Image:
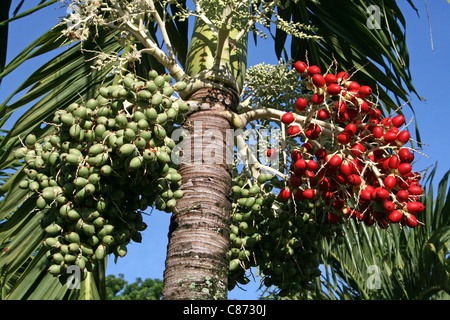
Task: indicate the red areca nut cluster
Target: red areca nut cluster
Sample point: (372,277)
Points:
(367,174)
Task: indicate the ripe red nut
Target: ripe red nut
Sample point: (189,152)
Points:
(335,160)
(405,155)
(296,155)
(389,206)
(323,114)
(415,190)
(344,138)
(350,129)
(354,179)
(330,78)
(294,131)
(364,91)
(403,136)
(288,118)
(404,169)
(346,168)
(307,146)
(301,104)
(317,99)
(410,220)
(333,89)
(285,194)
(313,70)
(402,196)
(380,193)
(395,216)
(386,122)
(377,132)
(390,182)
(312,165)
(271,152)
(415,207)
(342,76)
(358,149)
(398,121)
(309,194)
(389,137)
(300,66)
(353,86)
(375,113)
(393,162)
(364,107)
(333,218)
(320,153)
(296,181)
(318,80)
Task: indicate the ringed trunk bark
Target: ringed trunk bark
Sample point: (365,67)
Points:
(197,254)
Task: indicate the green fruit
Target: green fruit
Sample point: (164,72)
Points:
(183,107)
(100,252)
(121,250)
(108,240)
(106,170)
(156,99)
(180,86)
(126,150)
(54,269)
(136,163)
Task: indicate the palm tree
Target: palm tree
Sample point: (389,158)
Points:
(211,60)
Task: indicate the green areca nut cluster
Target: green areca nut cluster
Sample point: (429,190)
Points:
(106,162)
(279,238)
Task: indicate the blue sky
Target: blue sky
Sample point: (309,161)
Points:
(429,66)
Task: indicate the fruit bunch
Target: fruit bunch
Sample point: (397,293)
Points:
(105,162)
(280,238)
(350,155)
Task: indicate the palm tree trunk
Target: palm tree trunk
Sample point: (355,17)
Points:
(197,254)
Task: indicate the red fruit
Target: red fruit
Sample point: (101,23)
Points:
(294,131)
(333,218)
(350,129)
(389,206)
(301,104)
(380,193)
(354,179)
(358,149)
(353,86)
(296,181)
(377,132)
(342,76)
(313,70)
(394,130)
(366,195)
(395,216)
(405,155)
(341,107)
(389,137)
(415,190)
(330,78)
(364,91)
(393,162)
(312,165)
(398,121)
(271,153)
(335,160)
(343,117)
(288,118)
(285,194)
(318,80)
(404,169)
(300,164)
(344,138)
(300,66)
(296,155)
(309,194)
(307,146)
(403,136)
(375,114)
(333,89)
(410,220)
(390,182)
(323,114)
(321,153)
(363,107)
(317,99)
(402,196)
(346,168)
(386,122)
(298,194)
(415,207)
